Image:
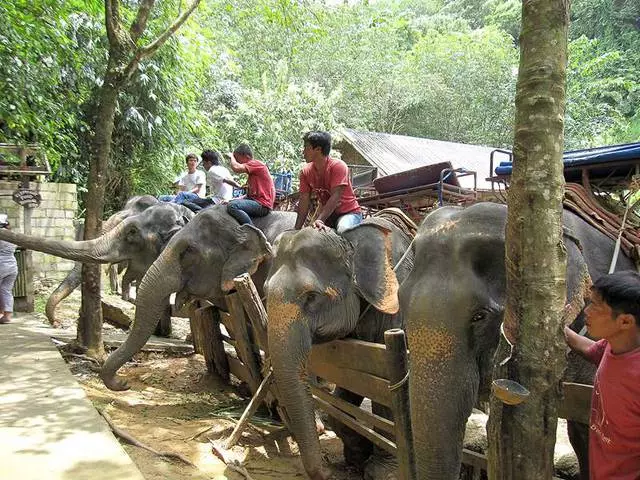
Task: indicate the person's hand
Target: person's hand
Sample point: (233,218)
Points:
(320,225)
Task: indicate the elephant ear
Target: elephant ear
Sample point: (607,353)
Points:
(245,255)
(372,263)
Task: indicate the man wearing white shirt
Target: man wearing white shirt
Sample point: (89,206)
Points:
(191,185)
(219,181)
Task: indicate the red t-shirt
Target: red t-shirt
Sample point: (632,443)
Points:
(335,174)
(261,187)
(614,436)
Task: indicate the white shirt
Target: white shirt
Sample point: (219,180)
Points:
(190,180)
(218,189)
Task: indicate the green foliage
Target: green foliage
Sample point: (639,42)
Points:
(266,71)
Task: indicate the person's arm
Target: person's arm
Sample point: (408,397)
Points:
(577,342)
(303,209)
(332,203)
(232,182)
(197,188)
(237,167)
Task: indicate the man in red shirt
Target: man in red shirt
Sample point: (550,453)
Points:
(614,316)
(329,179)
(261,192)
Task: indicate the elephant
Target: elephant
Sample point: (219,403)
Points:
(137,239)
(200,261)
(319,288)
(134,206)
(453,302)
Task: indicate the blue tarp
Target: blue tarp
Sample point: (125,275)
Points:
(576,158)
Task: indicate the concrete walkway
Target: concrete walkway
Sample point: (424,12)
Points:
(48,427)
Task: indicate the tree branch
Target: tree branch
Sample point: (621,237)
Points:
(112,20)
(150,49)
(140,23)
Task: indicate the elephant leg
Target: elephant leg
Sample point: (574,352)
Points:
(163,329)
(127,278)
(381,465)
(579,439)
(113,278)
(356,448)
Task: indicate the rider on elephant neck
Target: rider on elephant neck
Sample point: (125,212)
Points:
(329,179)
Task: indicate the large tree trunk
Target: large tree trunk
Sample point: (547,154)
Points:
(90,321)
(124,57)
(522,438)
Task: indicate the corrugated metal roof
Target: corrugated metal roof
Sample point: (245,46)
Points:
(399,153)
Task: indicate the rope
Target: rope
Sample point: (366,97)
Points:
(396,386)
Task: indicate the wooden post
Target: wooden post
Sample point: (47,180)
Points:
(398,371)
(254,308)
(255,402)
(246,347)
(207,340)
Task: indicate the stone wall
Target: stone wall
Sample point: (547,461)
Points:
(54,218)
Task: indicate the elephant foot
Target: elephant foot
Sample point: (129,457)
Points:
(381,468)
(115,383)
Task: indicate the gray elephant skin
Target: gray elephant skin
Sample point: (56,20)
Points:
(134,206)
(200,261)
(318,287)
(453,302)
(136,239)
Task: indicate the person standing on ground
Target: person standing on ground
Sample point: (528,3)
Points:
(614,426)
(8,274)
(261,192)
(329,179)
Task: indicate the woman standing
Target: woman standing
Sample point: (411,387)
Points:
(8,274)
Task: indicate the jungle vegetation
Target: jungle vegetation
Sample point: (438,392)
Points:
(265,71)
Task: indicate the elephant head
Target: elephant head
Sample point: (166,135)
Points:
(453,304)
(136,238)
(200,261)
(315,288)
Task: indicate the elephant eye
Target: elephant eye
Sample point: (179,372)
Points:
(479,316)
(312,301)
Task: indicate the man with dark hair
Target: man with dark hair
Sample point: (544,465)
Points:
(191,185)
(261,191)
(613,316)
(329,179)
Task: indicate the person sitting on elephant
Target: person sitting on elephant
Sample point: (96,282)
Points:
(614,316)
(8,274)
(219,182)
(192,185)
(261,193)
(329,179)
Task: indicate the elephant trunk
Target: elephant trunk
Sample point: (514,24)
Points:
(446,386)
(68,285)
(99,250)
(163,278)
(289,347)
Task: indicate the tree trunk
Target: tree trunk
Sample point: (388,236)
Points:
(522,438)
(90,321)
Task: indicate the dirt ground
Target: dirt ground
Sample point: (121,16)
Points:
(175,405)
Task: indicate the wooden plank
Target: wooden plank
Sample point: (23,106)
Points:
(225,319)
(369,419)
(370,386)
(246,347)
(354,354)
(478,461)
(576,402)
(254,308)
(366,432)
(239,369)
(398,363)
(205,328)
